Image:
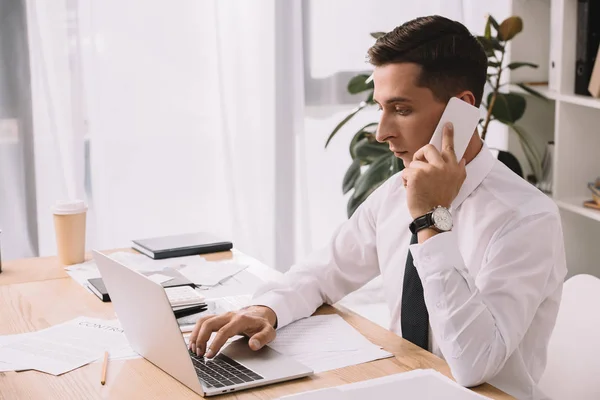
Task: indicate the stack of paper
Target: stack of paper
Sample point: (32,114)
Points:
(422,384)
(209,274)
(64,347)
(206,273)
(326,342)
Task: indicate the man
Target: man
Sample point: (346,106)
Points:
(482,282)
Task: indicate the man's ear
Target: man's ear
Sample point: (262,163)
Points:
(467,96)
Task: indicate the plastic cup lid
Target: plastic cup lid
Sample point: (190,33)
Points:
(66,207)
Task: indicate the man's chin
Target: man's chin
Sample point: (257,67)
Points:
(405,160)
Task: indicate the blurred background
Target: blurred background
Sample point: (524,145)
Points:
(169,117)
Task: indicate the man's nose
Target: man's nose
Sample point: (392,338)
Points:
(384,132)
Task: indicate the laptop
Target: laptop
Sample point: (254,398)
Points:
(150,326)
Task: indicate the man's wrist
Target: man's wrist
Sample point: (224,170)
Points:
(426,234)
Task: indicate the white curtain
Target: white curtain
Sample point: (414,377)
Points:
(17,185)
(180,102)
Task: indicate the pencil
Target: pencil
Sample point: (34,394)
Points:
(104,364)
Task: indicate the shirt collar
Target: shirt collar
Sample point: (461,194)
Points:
(477,170)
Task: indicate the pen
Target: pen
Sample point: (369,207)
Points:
(104,364)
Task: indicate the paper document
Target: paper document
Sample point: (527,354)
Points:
(319,333)
(422,384)
(67,346)
(326,342)
(160,278)
(243,283)
(210,273)
(327,361)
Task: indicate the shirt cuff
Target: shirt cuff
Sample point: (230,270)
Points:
(276,303)
(437,254)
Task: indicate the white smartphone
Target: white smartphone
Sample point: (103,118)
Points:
(464,118)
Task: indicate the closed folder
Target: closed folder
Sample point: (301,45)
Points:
(181,245)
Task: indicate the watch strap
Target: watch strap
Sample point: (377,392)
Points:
(422,222)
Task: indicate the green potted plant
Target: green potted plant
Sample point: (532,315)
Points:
(373,163)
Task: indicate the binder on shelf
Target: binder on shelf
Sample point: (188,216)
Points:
(594,87)
(587,42)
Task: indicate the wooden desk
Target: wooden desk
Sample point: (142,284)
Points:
(36,294)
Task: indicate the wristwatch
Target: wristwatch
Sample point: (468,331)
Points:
(439,219)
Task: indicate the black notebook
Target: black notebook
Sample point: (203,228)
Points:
(181,245)
(97,285)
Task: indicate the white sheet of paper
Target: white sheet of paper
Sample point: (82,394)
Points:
(64,347)
(328,360)
(160,278)
(321,333)
(421,384)
(211,273)
(243,283)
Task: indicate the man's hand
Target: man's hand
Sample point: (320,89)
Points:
(256,322)
(433,178)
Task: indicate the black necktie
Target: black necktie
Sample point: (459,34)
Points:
(414,316)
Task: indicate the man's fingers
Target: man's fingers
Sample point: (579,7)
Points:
(260,339)
(416,169)
(448,142)
(208,327)
(196,330)
(232,328)
(429,154)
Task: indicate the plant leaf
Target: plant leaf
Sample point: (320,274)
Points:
(531,91)
(509,107)
(361,134)
(494,64)
(343,122)
(531,153)
(515,65)
(494,23)
(377,172)
(510,27)
(487,33)
(489,45)
(369,151)
(497,45)
(486,43)
(359,84)
(377,35)
(352,173)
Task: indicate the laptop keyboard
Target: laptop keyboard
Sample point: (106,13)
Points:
(222,371)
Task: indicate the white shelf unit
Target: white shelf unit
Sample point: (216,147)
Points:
(571,120)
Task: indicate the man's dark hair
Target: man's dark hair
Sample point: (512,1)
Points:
(451,58)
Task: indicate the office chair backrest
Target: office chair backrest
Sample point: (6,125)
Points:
(573,368)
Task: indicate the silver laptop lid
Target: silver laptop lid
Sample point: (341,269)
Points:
(147,318)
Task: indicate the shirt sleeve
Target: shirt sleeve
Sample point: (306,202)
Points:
(348,262)
(478,322)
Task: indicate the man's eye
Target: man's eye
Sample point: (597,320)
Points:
(402,111)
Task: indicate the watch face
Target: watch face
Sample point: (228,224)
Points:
(442,219)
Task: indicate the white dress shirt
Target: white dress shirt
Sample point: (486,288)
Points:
(492,285)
